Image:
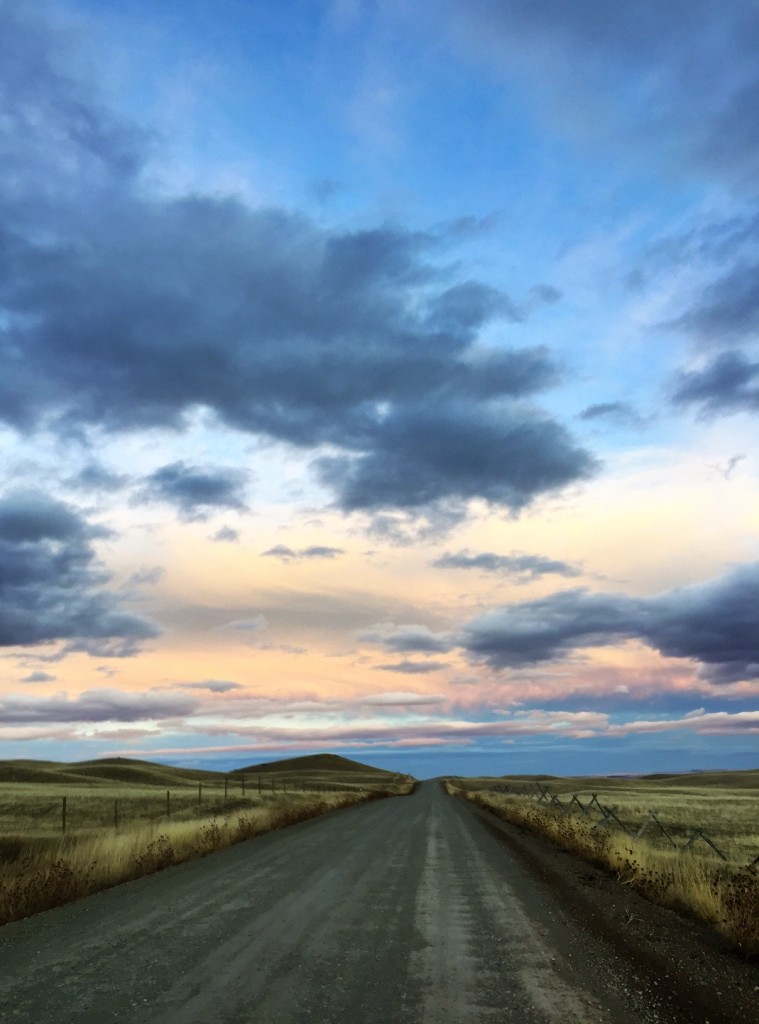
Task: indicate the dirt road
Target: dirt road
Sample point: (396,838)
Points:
(414,909)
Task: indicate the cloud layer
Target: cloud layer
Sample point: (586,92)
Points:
(124,311)
(712,623)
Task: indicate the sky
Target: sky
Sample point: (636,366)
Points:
(380,378)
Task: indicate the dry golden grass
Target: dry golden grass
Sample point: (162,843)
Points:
(723,894)
(42,867)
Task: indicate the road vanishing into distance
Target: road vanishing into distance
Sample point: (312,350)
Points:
(411,909)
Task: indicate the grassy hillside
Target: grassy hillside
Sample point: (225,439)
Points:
(106,770)
(317,766)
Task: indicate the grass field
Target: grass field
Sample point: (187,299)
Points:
(725,805)
(120,824)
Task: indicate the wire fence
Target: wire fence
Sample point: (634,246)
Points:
(98,809)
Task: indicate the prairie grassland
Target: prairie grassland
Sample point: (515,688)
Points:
(724,894)
(42,867)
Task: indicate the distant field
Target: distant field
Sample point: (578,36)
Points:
(127,818)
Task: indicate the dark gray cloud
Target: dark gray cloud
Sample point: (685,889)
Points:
(519,566)
(51,586)
(96,706)
(405,639)
(274,323)
(196,492)
(712,623)
(449,454)
(287,554)
(411,668)
(730,383)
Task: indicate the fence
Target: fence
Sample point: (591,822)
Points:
(604,816)
(96,809)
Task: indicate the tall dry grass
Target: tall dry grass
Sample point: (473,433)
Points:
(724,895)
(38,872)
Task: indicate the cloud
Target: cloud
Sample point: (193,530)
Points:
(450,454)
(412,667)
(403,699)
(403,639)
(96,477)
(712,623)
(729,384)
(286,554)
(517,565)
(147,577)
(683,73)
(95,706)
(251,314)
(622,412)
(213,685)
(251,624)
(38,677)
(728,309)
(196,492)
(51,586)
(226,534)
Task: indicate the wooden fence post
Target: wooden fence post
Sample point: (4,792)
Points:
(700,834)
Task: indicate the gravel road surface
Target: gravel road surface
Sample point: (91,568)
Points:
(412,909)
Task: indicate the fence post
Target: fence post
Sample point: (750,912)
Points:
(63,815)
(700,834)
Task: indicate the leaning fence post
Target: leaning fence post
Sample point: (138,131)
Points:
(700,834)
